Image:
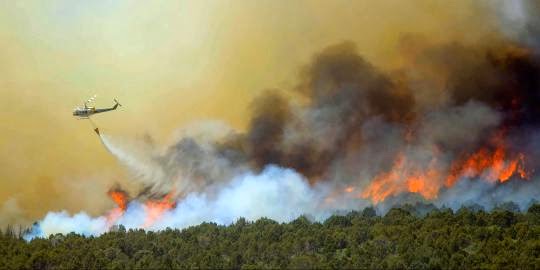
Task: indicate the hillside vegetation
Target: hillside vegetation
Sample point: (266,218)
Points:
(402,238)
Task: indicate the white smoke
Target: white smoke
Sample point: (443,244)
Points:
(62,222)
(489,194)
(518,19)
(276,193)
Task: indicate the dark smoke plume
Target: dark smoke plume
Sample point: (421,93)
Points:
(355,119)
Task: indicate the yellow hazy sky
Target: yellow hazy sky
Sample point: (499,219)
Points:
(170,63)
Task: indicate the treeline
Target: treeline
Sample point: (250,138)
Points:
(403,238)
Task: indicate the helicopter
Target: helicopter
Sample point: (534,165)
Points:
(87,111)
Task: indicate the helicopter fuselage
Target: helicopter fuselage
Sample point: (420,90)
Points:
(84,112)
(88,111)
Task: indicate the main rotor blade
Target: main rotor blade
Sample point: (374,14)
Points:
(91,99)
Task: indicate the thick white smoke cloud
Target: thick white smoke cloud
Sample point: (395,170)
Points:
(62,222)
(276,193)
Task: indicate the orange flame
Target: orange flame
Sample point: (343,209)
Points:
(155,208)
(121,199)
(385,184)
(490,165)
(404,177)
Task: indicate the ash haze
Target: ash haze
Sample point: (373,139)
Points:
(173,64)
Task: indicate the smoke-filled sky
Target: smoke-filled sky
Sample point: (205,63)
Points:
(173,64)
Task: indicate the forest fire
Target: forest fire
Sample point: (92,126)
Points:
(120,198)
(492,165)
(404,177)
(153,208)
(428,146)
(453,123)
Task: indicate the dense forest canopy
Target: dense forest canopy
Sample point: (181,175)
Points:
(414,237)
